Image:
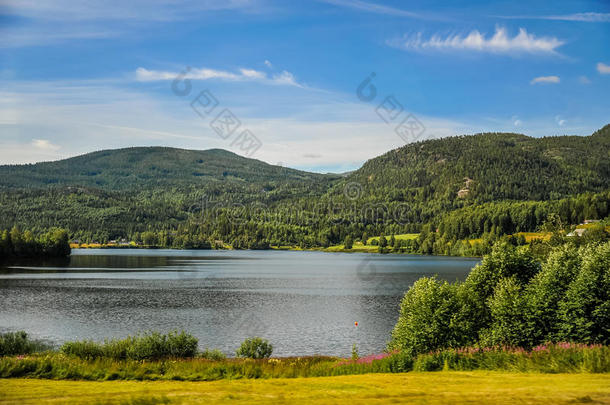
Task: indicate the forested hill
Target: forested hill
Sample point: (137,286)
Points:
(490,167)
(126,192)
(151,167)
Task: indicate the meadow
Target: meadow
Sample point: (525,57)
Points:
(479,387)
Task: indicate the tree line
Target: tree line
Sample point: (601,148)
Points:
(17,243)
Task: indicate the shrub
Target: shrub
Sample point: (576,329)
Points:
(215,355)
(355,355)
(255,348)
(151,346)
(85,349)
(14,343)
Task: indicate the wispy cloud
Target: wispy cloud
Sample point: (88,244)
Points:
(372,8)
(500,43)
(45,22)
(151,10)
(603,68)
(545,80)
(282,78)
(48,34)
(580,17)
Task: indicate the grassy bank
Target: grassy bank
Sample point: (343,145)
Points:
(561,358)
(431,388)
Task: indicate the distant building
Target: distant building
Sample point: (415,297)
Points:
(591,221)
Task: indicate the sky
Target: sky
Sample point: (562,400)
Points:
(319,85)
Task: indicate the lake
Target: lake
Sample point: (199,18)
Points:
(304,302)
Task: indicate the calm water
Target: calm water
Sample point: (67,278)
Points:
(303,302)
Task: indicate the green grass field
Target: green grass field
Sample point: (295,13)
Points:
(368,248)
(404,236)
(430,388)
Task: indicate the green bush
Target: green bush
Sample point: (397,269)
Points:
(15,343)
(215,355)
(85,349)
(150,346)
(255,348)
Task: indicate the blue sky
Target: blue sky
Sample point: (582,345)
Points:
(78,76)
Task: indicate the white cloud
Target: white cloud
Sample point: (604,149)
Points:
(372,7)
(252,74)
(545,80)
(19,153)
(284,78)
(500,42)
(268,64)
(44,144)
(603,68)
(584,80)
(560,121)
(516,121)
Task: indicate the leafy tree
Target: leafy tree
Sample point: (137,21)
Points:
(53,243)
(383,242)
(348,243)
(548,288)
(509,316)
(585,309)
(426,317)
(506,301)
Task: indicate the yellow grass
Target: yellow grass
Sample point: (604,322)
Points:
(529,236)
(593,225)
(99,245)
(430,388)
(403,236)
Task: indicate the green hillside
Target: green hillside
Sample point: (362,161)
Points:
(490,167)
(126,192)
(150,168)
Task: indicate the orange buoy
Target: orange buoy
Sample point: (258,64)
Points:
(356,323)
